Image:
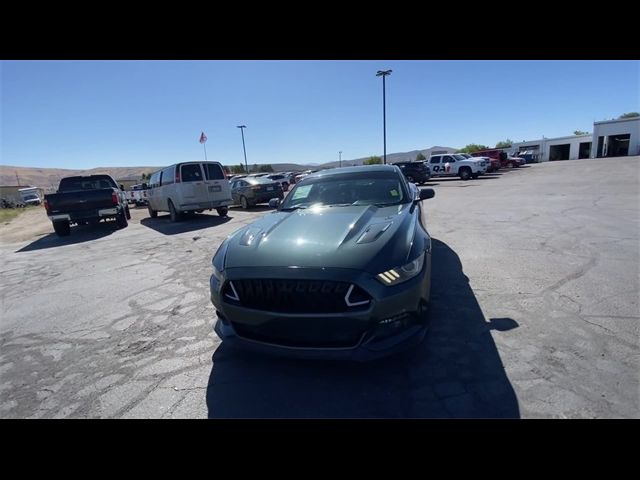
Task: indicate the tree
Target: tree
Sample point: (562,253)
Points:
(473,147)
(580,132)
(375,160)
(145,177)
(236,169)
(629,115)
(504,144)
(266,168)
(420,157)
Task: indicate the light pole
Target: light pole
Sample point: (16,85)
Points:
(340,154)
(242,127)
(383,74)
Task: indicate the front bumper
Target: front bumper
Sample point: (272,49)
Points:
(400,308)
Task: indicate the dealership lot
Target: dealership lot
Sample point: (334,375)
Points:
(534,313)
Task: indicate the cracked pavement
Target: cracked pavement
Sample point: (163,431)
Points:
(534,314)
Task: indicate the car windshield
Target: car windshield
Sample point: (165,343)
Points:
(358,188)
(257,180)
(30,197)
(459,157)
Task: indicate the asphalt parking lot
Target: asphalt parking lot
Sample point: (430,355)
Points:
(534,314)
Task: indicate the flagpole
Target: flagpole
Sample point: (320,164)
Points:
(204,144)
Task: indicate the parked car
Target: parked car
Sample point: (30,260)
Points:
(31,199)
(86,199)
(283,180)
(497,155)
(302,175)
(415,172)
(250,191)
(189,187)
(340,270)
(454,165)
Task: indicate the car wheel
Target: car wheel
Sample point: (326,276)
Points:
(222,211)
(465,173)
(128,213)
(62,228)
(173,213)
(244,202)
(152,212)
(121,220)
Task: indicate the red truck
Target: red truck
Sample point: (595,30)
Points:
(499,158)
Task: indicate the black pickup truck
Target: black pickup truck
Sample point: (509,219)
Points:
(82,200)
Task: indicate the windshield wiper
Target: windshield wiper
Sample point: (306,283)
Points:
(386,204)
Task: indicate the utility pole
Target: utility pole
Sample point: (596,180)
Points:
(340,153)
(246,166)
(383,74)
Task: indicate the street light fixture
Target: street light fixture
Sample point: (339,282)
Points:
(242,127)
(383,74)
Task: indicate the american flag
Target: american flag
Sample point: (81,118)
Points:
(203,137)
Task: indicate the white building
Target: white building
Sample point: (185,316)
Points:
(616,138)
(560,148)
(610,138)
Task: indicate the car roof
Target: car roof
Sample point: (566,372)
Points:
(359,169)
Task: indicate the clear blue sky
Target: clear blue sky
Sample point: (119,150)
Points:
(83,114)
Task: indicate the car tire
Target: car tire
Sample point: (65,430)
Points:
(152,213)
(222,211)
(62,228)
(173,213)
(128,212)
(244,202)
(465,173)
(121,220)
(475,175)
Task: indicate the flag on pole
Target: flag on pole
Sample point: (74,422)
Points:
(203,137)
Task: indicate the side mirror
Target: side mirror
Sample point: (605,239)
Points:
(274,202)
(121,186)
(426,193)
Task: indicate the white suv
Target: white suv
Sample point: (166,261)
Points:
(454,165)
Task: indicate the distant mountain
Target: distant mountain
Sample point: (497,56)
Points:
(395,157)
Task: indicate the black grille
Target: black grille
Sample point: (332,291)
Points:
(327,332)
(296,296)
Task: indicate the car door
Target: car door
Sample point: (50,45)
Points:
(434,162)
(192,187)
(237,190)
(218,187)
(450,169)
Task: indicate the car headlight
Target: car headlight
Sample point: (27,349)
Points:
(403,273)
(218,260)
(217,273)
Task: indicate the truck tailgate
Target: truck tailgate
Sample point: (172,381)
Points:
(79,201)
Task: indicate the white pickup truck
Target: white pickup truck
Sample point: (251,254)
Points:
(454,165)
(138,195)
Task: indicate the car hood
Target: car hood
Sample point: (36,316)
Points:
(358,237)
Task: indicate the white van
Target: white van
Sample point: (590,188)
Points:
(189,187)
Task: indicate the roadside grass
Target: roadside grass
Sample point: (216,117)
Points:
(8,214)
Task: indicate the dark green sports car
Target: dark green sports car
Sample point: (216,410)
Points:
(340,270)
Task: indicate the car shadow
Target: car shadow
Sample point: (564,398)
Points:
(79,234)
(256,208)
(456,372)
(196,221)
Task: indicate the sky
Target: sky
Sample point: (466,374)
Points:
(85,114)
